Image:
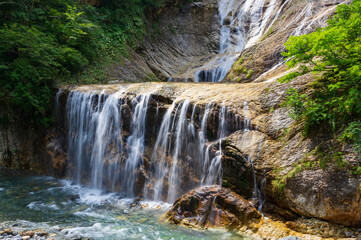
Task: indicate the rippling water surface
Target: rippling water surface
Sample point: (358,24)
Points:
(68,211)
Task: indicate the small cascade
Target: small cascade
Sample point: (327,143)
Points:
(186,154)
(242,24)
(162,144)
(262,195)
(258,186)
(309,18)
(135,143)
(176,143)
(216,69)
(306,14)
(179,143)
(214,173)
(110,146)
(203,157)
(98,152)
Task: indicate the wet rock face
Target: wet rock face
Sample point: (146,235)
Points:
(180,36)
(213,206)
(56,152)
(237,171)
(333,195)
(23,147)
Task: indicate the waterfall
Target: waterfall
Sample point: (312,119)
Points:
(216,69)
(174,171)
(186,155)
(214,174)
(94,123)
(242,24)
(174,136)
(97,151)
(108,149)
(135,142)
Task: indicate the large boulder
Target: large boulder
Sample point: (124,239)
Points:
(213,206)
(331,194)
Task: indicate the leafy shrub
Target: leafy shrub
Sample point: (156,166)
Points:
(334,52)
(352,134)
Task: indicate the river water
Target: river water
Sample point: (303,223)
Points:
(70,211)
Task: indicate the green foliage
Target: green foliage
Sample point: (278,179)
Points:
(352,134)
(335,53)
(172,29)
(36,46)
(279,185)
(356,170)
(296,102)
(49,41)
(249,73)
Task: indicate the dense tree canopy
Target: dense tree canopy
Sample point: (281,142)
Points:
(44,41)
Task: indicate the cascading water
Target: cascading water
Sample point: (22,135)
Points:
(258,187)
(102,154)
(96,147)
(107,143)
(135,143)
(178,139)
(242,24)
(214,172)
(94,122)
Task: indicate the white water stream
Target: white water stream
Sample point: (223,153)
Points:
(107,144)
(242,24)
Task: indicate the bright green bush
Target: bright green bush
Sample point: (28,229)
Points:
(334,53)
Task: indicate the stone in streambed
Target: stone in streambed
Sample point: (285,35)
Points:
(6,231)
(290,238)
(213,206)
(17,237)
(29,233)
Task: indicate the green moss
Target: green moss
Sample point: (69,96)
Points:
(240,61)
(268,33)
(152,78)
(279,186)
(225,184)
(172,29)
(249,73)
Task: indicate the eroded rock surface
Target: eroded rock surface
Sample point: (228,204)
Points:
(181,37)
(213,207)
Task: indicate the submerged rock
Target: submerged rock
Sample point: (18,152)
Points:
(213,206)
